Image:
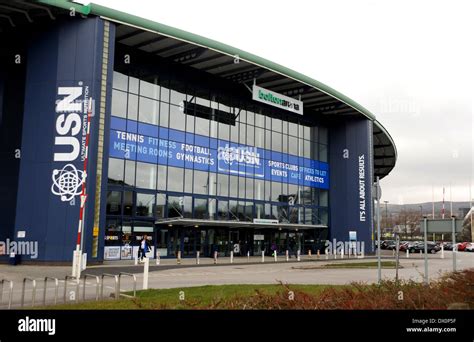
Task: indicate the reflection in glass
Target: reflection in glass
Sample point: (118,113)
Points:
(114,200)
(116,171)
(146,176)
(127,203)
(145,203)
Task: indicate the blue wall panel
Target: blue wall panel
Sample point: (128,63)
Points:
(349,141)
(66,55)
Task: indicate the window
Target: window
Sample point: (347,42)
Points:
(177,118)
(222,185)
(129,173)
(188,180)
(202,126)
(119,104)
(177,98)
(133,85)
(259,120)
(200,208)
(234,133)
(149,111)
(175,206)
(162,176)
(234,186)
(175,179)
(164,114)
(259,189)
(114,199)
(115,171)
(250,135)
(150,90)
(259,137)
(224,131)
(160,206)
(146,176)
(323,135)
(276,125)
(222,210)
(127,203)
(132,113)
(187,206)
(323,153)
(323,198)
(242,133)
(201,183)
(120,81)
(249,188)
(145,203)
(306,149)
(212,184)
(233,210)
(293,146)
(276,142)
(242,187)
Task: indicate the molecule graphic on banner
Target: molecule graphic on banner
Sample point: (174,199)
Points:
(67,182)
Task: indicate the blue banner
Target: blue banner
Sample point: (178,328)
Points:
(158,145)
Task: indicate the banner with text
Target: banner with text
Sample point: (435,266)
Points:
(164,146)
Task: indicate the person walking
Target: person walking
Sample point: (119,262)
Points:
(144,247)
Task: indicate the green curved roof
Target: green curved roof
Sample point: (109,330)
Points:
(195,39)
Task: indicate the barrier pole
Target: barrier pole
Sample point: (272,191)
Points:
(145,273)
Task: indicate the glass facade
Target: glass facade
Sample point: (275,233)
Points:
(146,185)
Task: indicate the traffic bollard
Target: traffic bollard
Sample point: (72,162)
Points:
(263,256)
(215,257)
(158,258)
(275,255)
(231,257)
(145,273)
(408,253)
(442,252)
(318,254)
(198,257)
(342,253)
(178,258)
(298,255)
(287,254)
(248,255)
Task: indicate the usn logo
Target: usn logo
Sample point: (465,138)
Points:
(246,155)
(67,182)
(71,112)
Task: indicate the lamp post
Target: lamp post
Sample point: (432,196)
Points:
(386,216)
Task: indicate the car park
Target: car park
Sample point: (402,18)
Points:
(420,246)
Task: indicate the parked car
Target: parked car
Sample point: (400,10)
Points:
(461,246)
(448,246)
(431,247)
(469,247)
(406,245)
(386,243)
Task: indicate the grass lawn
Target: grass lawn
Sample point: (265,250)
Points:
(201,296)
(451,290)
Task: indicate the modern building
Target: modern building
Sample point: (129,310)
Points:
(197,145)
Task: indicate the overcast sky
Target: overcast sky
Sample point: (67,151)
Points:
(411,63)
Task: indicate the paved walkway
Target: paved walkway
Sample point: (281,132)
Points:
(243,271)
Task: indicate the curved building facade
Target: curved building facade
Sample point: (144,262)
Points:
(128,128)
